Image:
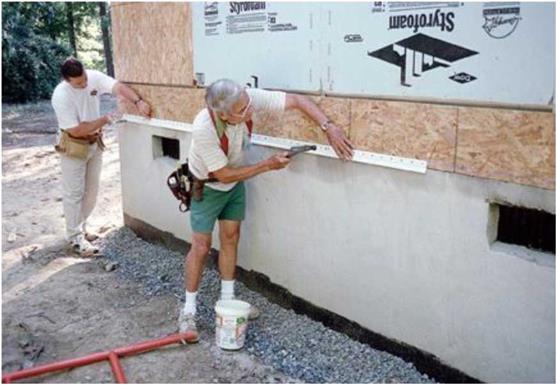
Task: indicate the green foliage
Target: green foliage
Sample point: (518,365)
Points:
(45,19)
(36,39)
(90,46)
(30,62)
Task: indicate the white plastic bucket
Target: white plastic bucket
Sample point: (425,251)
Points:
(232,323)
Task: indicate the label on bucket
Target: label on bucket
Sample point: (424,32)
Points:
(231,331)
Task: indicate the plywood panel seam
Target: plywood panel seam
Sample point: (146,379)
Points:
(349,120)
(450,103)
(161,85)
(457,126)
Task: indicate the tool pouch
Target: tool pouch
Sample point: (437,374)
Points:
(74,147)
(180,184)
(185,186)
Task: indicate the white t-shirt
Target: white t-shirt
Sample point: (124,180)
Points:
(75,105)
(206,155)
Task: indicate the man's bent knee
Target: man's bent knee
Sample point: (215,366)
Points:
(230,237)
(200,247)
(229,232)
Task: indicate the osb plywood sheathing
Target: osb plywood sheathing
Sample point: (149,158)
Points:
(294,124)
(512,146)
(153,43)
(412,130)
(169,103)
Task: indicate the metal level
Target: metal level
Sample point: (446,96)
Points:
(382,160)
(399,163)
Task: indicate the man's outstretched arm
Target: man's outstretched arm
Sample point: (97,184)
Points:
(120,89)
(335,135)
(232,174)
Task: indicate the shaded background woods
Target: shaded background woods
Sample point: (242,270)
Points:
(37,36)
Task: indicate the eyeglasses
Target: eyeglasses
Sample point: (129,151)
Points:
(244,111)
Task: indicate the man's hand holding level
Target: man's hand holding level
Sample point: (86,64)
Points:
(144,108)
(340,143)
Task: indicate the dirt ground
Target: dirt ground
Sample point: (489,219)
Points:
(56,306)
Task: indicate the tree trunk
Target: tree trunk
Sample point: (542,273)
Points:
(71,27)
(105,22)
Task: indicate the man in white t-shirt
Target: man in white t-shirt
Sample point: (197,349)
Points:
(76,102)
(221,132)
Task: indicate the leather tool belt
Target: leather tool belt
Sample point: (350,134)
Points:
(78,148)
(185,186)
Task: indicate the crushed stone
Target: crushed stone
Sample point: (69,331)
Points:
(290,343)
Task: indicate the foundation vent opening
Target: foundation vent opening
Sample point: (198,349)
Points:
(166,147)
(534,229)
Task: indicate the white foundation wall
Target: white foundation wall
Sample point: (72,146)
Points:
(406,255)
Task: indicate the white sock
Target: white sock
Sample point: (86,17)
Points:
(190,306)
(227,289)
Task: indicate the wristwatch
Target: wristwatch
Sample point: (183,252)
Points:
(326,125)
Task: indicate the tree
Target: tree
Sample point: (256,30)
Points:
(105,22)
(71,27)
(37,37)
(30,62)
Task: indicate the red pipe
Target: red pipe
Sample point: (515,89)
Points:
(117,368)
(97,357)
(153,344)
(72,363)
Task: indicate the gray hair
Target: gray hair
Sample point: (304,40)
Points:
(222,94)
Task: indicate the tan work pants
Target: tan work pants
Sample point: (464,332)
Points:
(80,185)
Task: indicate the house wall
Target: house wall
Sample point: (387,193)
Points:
(408,256)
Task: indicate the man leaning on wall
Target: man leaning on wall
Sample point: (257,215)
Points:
(76,102)
(221,133)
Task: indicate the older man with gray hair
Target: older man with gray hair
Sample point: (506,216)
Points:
(221,133)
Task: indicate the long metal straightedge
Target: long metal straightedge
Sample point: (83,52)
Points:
(406,164)
(382,160)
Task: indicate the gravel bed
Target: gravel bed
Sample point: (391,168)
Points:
(291,343)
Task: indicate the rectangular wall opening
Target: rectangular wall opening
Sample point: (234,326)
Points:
(534,229)
(166,147)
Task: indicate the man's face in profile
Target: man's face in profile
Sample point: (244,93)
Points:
(78,82)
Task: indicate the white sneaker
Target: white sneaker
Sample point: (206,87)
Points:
(186,324)
(82,246)
(91,237)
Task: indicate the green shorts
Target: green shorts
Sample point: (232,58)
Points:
(225,205)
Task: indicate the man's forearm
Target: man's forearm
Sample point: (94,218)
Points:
(335,135)
(311,109)
(230,175)
(126,92)
(88,128)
